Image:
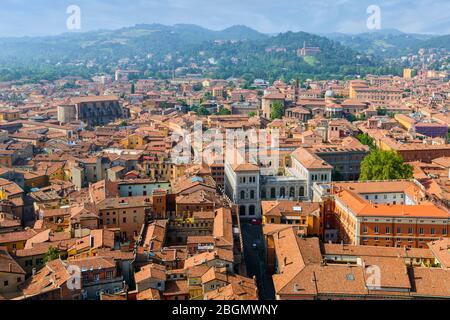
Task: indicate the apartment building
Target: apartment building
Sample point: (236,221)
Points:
(346,160)
(127,214)
(378,96)
(389,214)
(305,215)
(306,269)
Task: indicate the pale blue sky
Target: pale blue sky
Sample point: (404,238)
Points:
(47,17)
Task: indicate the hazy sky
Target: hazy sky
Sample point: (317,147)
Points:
(47,17)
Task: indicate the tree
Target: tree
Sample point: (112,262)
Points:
(366,140)
(224,112)
(202,111)
(385,165)
(252,114)
(207,95)
(182,103)
(52,254)
(381,111)
(361,117)
(164,105)
(337,175)
(277,111)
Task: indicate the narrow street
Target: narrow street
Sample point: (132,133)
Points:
(255,259)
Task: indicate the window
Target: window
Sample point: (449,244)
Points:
(109,274)
(272,193)
(242,210)
(5,283)
(410,230)
(421,231)
(444,231)
(388,230)
(263,193)
(19,279)
(365,229)
(252,194)
(124,220)
(282,192)
(251,210)
(433,231)
(376,230)
(399,230)
(242,195)
(302,192)
(97,277)
(292,192)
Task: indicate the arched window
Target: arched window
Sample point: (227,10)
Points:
(273,193)
(282,192)
(292,192)
(302,192)
(242,210)
(263,193)
(251,210)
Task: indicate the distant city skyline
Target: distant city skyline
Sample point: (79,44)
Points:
(45,17)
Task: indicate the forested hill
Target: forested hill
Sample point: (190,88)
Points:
(160,51)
